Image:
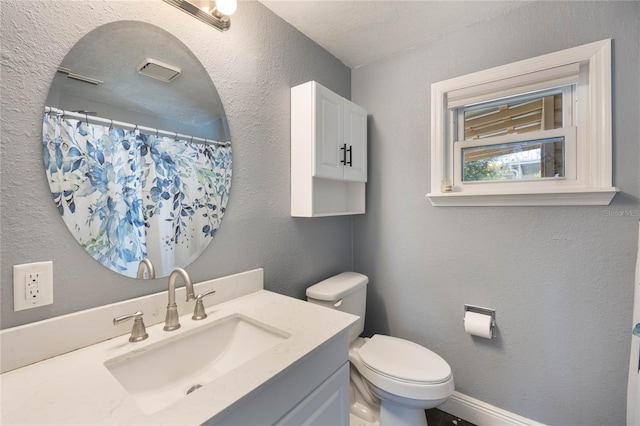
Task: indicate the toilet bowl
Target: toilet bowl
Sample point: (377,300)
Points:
(393,380)
(407,378)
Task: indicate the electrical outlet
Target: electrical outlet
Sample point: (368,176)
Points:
(32,285)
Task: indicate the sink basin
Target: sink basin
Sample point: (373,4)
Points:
(160,374)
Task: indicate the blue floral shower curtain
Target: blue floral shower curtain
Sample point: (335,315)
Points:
(126,196)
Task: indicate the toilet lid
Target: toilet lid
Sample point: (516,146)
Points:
(404,360)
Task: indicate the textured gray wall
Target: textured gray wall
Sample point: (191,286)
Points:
(253,67)
(560,278)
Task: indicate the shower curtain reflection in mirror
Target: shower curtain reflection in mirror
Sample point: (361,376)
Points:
(127,196)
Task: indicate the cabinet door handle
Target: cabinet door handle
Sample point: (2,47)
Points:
(350,156)
(343,148)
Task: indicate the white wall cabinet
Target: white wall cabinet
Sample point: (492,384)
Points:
(328,153)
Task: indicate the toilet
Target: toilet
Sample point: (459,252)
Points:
(393,380)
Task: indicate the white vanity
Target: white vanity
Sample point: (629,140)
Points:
(258,358)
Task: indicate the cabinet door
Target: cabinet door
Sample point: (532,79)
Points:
(328,404)
(329,128)
(355,136)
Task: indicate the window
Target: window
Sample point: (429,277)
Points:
(535,132)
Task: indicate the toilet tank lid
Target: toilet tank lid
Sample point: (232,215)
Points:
(335,288)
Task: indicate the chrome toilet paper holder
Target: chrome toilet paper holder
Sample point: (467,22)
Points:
(484,311)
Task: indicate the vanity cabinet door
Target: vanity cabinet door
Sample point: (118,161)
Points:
(328,404)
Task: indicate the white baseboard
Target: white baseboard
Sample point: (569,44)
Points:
(481,413)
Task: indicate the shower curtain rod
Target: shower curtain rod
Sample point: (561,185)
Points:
(128,126)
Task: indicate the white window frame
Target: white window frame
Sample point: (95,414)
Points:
(590,142)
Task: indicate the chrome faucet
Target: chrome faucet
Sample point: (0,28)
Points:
(151,273)
(171,321)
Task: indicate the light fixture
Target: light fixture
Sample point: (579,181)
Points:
(226,7)
(213,12)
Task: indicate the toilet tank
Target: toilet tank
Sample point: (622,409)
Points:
(345,292)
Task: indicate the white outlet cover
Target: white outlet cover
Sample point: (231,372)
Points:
(45,285)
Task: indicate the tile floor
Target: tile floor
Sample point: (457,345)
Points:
(436,417)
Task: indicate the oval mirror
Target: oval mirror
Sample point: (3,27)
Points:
(136,149)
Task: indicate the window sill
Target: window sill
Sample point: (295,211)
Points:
(565,197)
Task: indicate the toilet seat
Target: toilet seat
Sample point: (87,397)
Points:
(404,368)
(404,360)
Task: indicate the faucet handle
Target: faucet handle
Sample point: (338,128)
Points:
(138,332)
(198,312)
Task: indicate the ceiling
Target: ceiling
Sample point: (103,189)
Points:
(359,32)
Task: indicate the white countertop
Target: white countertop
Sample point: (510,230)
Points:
(76,387)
